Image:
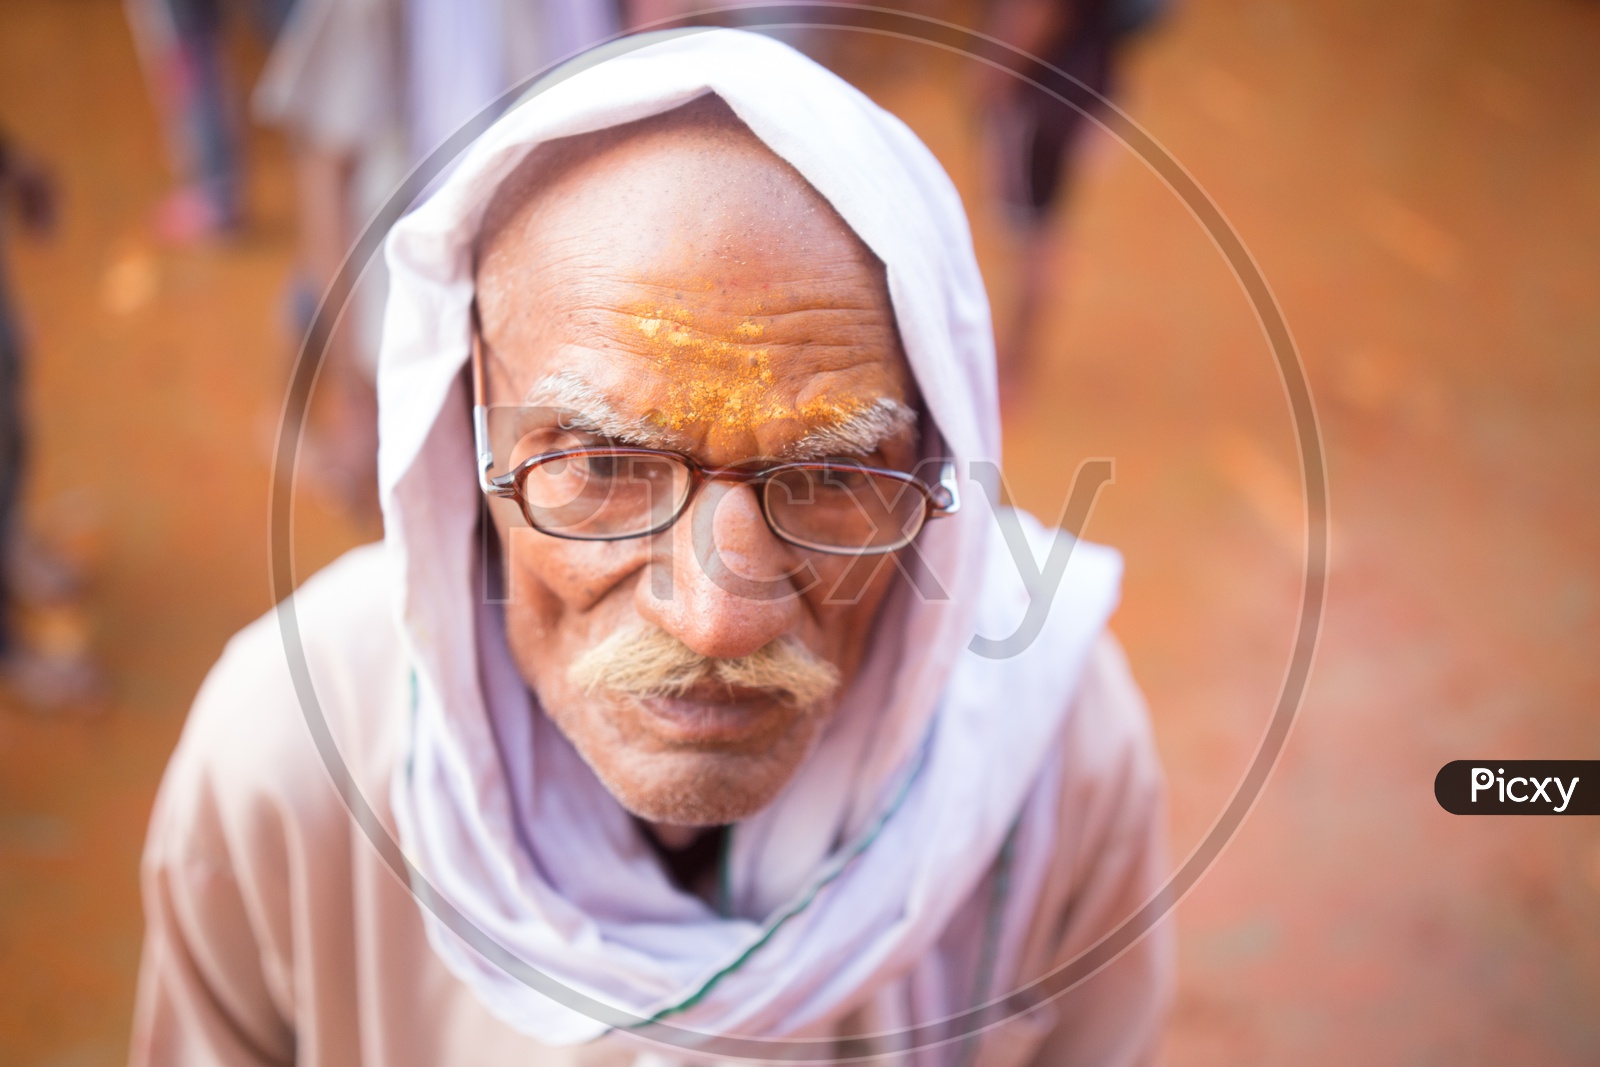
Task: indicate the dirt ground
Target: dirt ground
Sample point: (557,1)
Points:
(1419,183)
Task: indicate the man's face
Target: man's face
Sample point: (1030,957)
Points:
(684,289)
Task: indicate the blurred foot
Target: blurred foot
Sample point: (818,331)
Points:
(342,469)
(53,683)
(342,446)
(1013,390)
(300,301)
(47,660)
(191,215)
(1014,364)
(36,576)
(49,664)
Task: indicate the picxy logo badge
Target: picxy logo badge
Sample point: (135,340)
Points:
(1519,787)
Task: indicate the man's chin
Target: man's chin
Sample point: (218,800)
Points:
(694,764)
(691,762)
(698,789)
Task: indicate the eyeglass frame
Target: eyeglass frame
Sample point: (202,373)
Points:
(509,485)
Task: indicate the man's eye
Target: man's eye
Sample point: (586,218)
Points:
(846,479)
(545,440)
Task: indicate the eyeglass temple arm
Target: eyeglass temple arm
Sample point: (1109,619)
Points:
(952,490)
(480,420)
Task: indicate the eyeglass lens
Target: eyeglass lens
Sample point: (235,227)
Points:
(599,494)
(594,495)
(837,508)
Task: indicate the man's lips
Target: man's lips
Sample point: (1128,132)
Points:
(712,714)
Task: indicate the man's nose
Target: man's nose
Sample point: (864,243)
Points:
(731,584)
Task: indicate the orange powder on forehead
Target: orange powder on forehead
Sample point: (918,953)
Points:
(724,385)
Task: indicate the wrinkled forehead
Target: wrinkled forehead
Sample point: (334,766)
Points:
(692,187)
(700,265)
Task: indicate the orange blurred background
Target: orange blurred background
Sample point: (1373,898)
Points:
(1420,184)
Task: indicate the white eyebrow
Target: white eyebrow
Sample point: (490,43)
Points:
(583,407)
(858,435)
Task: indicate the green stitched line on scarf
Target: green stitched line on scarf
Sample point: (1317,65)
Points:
(804,902)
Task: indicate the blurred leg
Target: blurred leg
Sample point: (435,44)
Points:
(11,459)
(199,96)
(345,410)
(1041,153)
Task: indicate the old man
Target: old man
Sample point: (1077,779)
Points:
(694,744)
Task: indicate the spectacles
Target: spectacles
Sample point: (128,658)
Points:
(609,493)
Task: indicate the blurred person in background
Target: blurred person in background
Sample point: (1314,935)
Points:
(1035,140)
(724,758)
(47,661)
(26,192)
(181,43)
(365,90)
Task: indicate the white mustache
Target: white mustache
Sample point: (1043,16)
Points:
(645,661)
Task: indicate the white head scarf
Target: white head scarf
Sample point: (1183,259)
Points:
(848,892)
